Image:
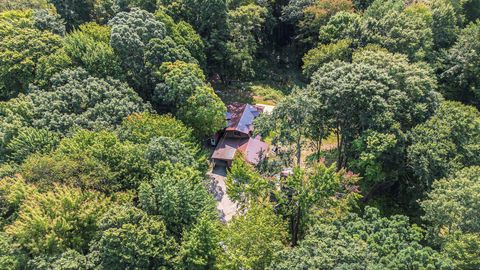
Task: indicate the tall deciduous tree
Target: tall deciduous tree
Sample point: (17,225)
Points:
(461,75)
(447,142)
(368,242)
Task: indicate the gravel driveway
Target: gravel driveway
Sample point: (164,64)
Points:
(225,206)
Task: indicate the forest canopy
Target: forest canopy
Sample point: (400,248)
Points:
(366,114)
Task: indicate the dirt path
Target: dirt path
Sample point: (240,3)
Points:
(225,206)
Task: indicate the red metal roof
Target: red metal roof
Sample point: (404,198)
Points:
(240,117)
(251,148)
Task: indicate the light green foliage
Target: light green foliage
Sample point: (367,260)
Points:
(452,204)
(21,47)
(204,111)
(447,142)
(309,191)
(322,54)
(461,74)
(48,223)
(124,160)
(130,239)
(24,4)
(400,31)
(13,192)
(89,48)
(464,250)
(177,195)
(368,242)
(30,141)
(289,124)
(451,212)
(252,240)
(142,127)
(200,245)
(182,85)
(245,23)
(179,80)
(244,185)
(373,147)
(14,115)
(9,259)
(48,65)
(341,26)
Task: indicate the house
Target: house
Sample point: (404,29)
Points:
(238,136)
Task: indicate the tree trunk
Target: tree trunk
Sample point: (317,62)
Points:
(296,226)
(299,150)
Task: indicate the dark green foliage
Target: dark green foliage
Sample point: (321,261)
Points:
(130,239)
(74,13)
(461,74)
(445,143)
(131,33)
(371,242)
(78,99)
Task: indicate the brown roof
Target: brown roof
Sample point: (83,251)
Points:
(251,148)
(240,117)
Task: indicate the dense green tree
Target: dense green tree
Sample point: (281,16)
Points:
(74,13)
(373,93)
(178,82)
(408,31)
(368,242)
(177,195)
(131,33)
(322,54)
(252,240)
(452,203)
(444,24)
(30,141)
(89,48)
(461,75)
(316,15)
(445,143)
(451,210)
(130,239)
(68,260)
(142,127)
(159,51)
(244,184)
(343,25)
(21,47)
(245,23)
(200,245)
(209,19)
(78,99)
(49,65)
(314,190)
(48,223)
(49,20)
(204,111)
